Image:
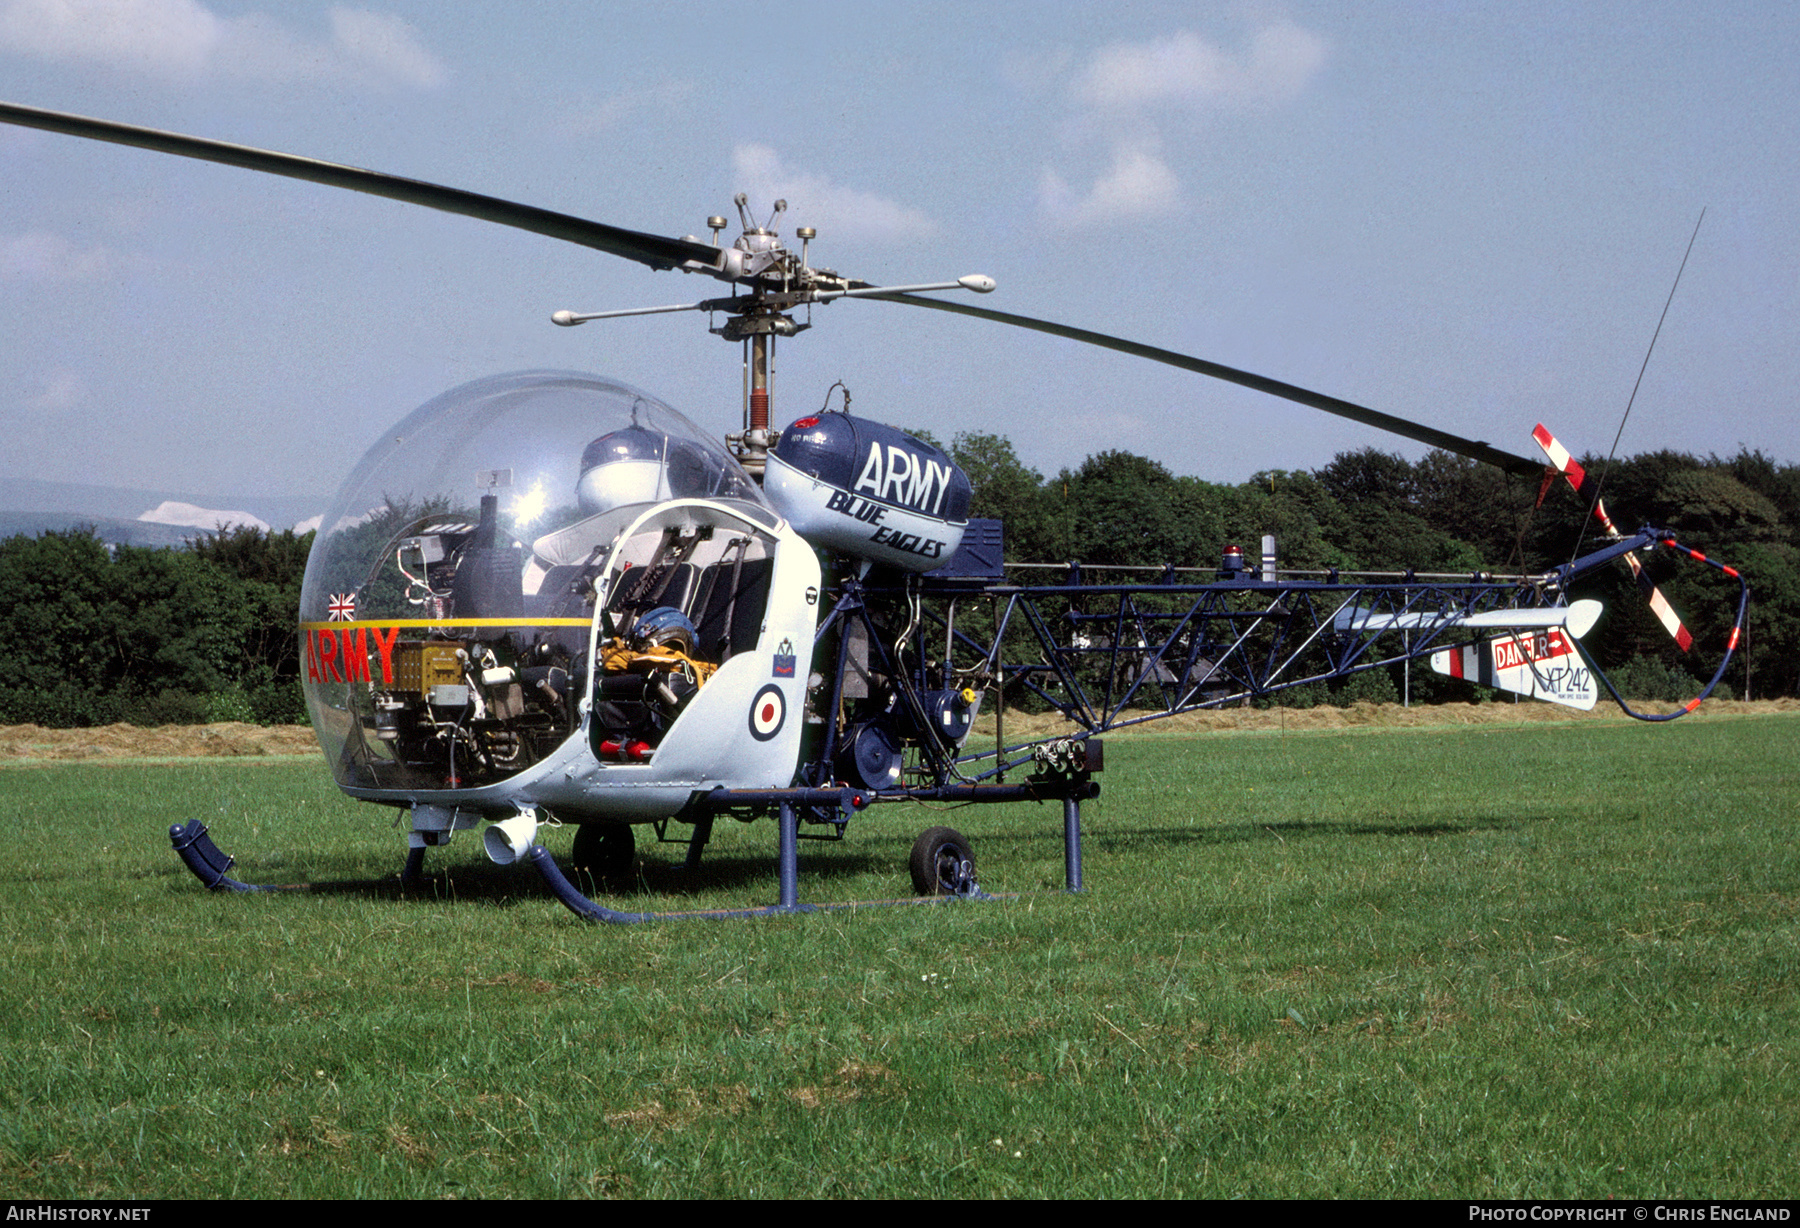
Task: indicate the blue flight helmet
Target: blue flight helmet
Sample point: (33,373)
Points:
(664,625)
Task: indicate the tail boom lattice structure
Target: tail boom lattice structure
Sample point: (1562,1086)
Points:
(1113,655)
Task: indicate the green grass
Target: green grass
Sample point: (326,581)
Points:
(1489,962)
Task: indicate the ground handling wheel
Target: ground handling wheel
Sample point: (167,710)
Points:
(942,863)
(606,851)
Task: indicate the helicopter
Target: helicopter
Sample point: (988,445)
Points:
(548,597)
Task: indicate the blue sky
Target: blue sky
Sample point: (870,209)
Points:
(1466,214)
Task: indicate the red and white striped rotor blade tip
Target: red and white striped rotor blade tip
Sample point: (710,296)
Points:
(1563,463)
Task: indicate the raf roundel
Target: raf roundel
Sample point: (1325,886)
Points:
(768,711)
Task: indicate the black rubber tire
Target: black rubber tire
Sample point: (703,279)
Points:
(605,851)
(942,863)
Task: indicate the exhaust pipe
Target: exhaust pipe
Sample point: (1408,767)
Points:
(507,840)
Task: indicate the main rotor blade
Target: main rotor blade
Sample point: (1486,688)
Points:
(653,250)
(1478,449)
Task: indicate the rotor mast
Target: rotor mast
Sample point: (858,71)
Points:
(774,280)
(758,323)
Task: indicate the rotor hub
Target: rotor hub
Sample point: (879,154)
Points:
(772,324)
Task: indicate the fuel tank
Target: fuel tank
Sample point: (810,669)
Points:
(869,491)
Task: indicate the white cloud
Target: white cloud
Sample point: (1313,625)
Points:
(60,390)
(1128,85)
(386,44)
(184,41)
(45,256)
(587,119)
(169,38)
(815,200)
(1185,69)
(1138,184)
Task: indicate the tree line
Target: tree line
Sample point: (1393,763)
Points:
(96,634)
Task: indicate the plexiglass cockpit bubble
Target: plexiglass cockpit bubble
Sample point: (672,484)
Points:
(451,592)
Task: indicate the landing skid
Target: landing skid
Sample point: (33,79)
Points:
(957,879)
(209,863)
(588,910)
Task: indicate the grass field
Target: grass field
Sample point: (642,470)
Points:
(1499,961)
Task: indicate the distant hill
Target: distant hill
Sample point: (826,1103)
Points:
(31,506)
(109,529)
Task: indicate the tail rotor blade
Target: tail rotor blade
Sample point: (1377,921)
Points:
(1570,468)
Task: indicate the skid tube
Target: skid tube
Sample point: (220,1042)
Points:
(209,862)
(788,803)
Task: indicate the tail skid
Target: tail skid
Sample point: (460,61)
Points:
(1731,643)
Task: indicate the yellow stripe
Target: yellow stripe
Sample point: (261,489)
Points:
(411,623)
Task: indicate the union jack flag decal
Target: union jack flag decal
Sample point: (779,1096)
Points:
(342,608)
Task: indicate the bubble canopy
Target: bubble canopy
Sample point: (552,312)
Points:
(454,577)
(533,429)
